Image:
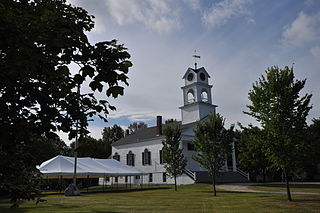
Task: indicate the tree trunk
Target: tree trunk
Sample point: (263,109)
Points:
(287,185)
(214,184)
(175,183)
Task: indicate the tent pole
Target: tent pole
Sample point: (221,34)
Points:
(104,177)
(60,184)
(130,181)
(87,183)
(141,176)
(112,182)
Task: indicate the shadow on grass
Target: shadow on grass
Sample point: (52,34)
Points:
(106,191)
(305,200)
(292,185)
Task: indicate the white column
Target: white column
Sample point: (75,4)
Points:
(234,162)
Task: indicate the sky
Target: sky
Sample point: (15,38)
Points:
(236,39)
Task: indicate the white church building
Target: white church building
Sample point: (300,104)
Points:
(143,149)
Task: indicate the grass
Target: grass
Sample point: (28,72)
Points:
(188,198)
(294,187)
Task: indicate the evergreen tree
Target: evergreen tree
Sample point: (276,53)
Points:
(213,144)
(172,153)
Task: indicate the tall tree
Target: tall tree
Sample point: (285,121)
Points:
(277,105)
(43,148)
(311,149)
(173,157)
(91,147)
(38,41)
(251,158)
(134,127)
(110,135)
(213,143)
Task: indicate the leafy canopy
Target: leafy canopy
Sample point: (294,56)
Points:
(277,105)
(213,143)
(39,40)
(171,151)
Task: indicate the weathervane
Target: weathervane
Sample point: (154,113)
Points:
(195,58)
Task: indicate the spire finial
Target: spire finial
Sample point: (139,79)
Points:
(195,58)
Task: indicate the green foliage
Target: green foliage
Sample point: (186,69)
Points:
(311,149)
(43,148)
(91,147)
(213,144)
(134,127)
(111,135)
(251,158)
(276,104)
(171,152)
(38,96)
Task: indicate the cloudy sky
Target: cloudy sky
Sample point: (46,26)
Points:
(236,39)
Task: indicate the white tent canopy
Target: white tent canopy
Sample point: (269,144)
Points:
(62,166)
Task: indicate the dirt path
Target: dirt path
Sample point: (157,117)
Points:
(244,187)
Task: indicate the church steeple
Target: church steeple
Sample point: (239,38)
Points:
(197,102)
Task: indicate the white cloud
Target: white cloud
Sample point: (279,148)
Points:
(304,29)
(154,14)
(315,51)
(224,10)
(193,4)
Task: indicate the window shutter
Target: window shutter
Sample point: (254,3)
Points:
(132,159)
(149,158)
(143,162)
(160,156)
(128,159)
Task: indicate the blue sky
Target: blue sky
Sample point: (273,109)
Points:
(236,39)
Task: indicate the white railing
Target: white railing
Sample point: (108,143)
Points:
(191,174)
(246,175)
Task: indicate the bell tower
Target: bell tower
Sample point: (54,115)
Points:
(197,102)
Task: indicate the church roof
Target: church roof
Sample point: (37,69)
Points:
(196,71)
(145,135)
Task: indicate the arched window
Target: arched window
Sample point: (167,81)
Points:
(130,159)
(116,156)
(204,95)
(146,157)
(190,95)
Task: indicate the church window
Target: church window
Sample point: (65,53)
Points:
(161,156)
(190,147)
(116,156)
(126,179)
(202,76)
(130,159)
(146,157)
(204,96)
(150,178)
(190,96)
(190,77)
(164,177)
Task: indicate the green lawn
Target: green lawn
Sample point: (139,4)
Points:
(190,198)
(295,187)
